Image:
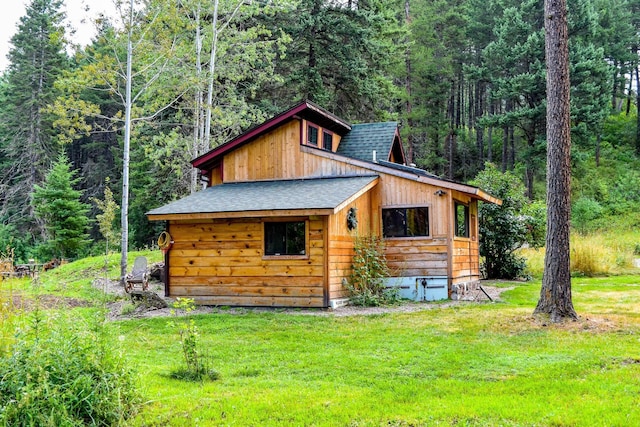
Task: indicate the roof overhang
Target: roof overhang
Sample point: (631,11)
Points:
(407,173)
(301,197)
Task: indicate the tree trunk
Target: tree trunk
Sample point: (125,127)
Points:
(512,148)
(555,295)
(198,98)
(637,70)
(212,71)
(479,110)
(124,217)
(614,92)
(410,136)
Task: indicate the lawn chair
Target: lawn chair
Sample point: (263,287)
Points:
(138,275)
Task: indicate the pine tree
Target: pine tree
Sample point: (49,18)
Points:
(58,205)
(555,295)
(340,56)
(28,143)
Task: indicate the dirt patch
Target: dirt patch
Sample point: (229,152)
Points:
(126,309)
(45,302)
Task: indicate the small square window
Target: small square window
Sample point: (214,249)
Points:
(327,141)
(312,135)
(284,238)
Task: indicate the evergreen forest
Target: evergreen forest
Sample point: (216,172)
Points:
(464,78)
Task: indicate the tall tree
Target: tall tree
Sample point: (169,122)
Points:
(555,295)
(340,56)
(58,204)
(28,144)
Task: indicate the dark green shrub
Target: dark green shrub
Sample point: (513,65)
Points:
(58,377)
(368,269)
(584,212)
(506,228)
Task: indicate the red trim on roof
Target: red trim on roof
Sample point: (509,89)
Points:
(204,160)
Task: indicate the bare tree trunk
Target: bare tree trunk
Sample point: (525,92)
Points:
(555,294)
(124,218)
(512,148)
(629,94)
(614,93)
(505,148)
(637,70)
(212,70)
(197,114)
(410,136)
(490,134)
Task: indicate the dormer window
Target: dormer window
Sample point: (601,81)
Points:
(327,140)
(312,135)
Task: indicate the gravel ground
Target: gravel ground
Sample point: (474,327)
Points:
(124,308)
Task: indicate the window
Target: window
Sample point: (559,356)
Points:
(284,238)
(327,141)
(461,220)
(312,135)
(405,222)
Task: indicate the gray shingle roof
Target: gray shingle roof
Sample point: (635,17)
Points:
(317,193)
(363,139)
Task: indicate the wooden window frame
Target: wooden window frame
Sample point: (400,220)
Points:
(280,257)
(308,141)
(326,133)
(429,221)
(467,220)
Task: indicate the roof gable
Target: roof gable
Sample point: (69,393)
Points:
(364,139)
(305,109)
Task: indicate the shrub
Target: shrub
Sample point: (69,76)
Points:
(506,228)
(55,377)
(197,364)
(368,269)
(584,212)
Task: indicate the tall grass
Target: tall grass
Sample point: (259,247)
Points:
(592,255)
(8,314)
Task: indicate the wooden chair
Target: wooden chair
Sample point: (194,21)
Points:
(138,275)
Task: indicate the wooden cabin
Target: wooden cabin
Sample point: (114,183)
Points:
(284,202)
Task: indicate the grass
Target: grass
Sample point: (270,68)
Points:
(466,365)
(592,255)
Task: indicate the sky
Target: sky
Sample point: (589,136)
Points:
(79,14)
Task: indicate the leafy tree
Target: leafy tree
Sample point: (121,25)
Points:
(106,218)
(58,205)
(27,142)
(506,228)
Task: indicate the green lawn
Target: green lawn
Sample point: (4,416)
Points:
(466,365)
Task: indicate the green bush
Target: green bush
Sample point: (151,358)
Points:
(368,269)
(506,228)
(58,377)
(197,364)
(584,212)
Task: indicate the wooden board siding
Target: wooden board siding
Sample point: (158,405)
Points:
(279,155)
(416,257)
(465,251)
(221,262)
(341,240)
